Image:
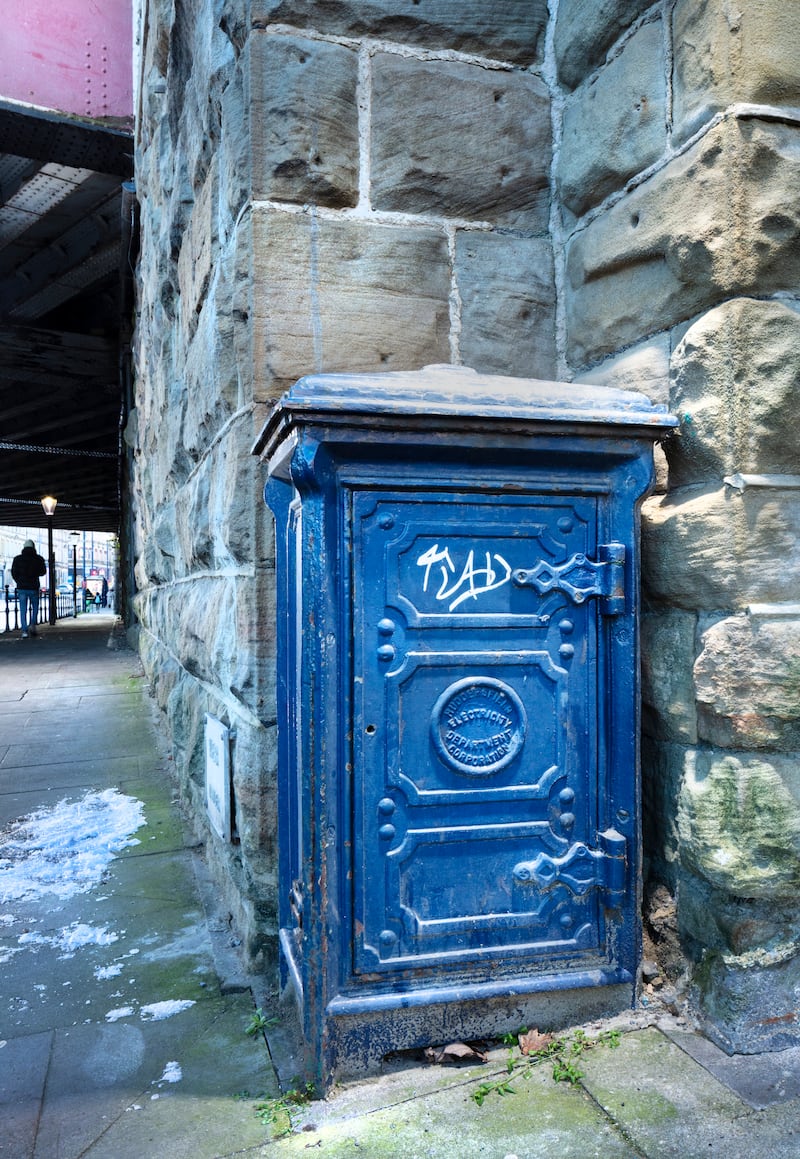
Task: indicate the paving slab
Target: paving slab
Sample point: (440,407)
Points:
(670,1107)
(541,1120)
(23,1062)
(102,1078)
(23,790)
(151,946)
(13,723)
(759,1079)
(69,747)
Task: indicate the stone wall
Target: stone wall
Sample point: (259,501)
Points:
(603,190)
(677,252)
(322,187)
(401,201)
(204,552)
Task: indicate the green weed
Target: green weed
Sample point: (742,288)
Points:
(279,1114)
(259,1022)
(563,1053)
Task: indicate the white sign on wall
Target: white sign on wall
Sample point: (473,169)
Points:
(218,776)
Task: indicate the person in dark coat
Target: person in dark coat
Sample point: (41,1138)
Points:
(26,570)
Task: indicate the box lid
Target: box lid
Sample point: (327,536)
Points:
(456,396)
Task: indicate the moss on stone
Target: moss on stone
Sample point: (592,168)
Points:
(740,827)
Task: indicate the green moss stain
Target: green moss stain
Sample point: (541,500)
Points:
(740,828)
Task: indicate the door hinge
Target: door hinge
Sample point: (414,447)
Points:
(581,869)
(581,578)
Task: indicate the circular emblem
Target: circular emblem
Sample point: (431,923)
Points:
(478,725)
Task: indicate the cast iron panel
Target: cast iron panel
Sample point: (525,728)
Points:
(475,702)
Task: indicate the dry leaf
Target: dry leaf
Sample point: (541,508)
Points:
(532,1042)
(454,1052)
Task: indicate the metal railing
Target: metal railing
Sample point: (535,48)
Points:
(9,616)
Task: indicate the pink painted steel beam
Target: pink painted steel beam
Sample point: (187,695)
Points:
(71,56)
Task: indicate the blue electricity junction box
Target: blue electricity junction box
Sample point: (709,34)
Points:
(457,564)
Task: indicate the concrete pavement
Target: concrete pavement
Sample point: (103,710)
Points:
(115,1037)
(123,1008)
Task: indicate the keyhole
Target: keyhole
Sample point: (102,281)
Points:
(370,730)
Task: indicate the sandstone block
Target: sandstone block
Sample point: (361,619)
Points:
(236,331)
(197,249)
(723,56)
(199,619)
(207,407)
(668,653)
(739,822)
(722,220)
(507,296)
(304,120)
(184,699)
(585,32)
(216,510)
(644,368)
(749,1003)
(157,561)
(346,295)
(736,387)
(237,499)
(218,366)
(714,550)
(457,140)
(738,926)
(185,713)
(747,683)
(234,150)
(509,30)
(615,124)
(253,680)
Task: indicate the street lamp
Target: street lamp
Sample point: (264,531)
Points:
(75,536)
(49,505)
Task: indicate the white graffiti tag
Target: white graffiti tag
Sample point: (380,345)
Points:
(473,581)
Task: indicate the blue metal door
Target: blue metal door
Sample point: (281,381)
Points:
(480,796)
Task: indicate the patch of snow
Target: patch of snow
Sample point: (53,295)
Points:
(190,941)
(71,938)
(103,972)
(172,1073)
(119,1012)
(156,1011)
(7,919)
(67,848)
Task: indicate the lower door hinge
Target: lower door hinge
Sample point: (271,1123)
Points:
(581,869)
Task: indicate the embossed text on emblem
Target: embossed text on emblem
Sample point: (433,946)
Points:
(478,725)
